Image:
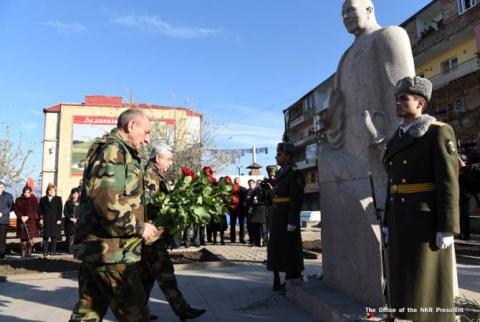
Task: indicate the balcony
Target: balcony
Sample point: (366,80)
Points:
(307,116)
(297,121)
(306,164)
(464,69)
(461,26)
(303,141)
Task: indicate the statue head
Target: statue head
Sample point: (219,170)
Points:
(358,16)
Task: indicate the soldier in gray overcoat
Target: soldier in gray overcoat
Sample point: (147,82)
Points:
(422,211)
(285,242)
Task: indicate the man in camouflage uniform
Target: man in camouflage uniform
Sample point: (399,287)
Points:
(156,263)
(110,216)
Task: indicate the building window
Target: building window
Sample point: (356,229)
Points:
(458,106)
(311,152)
(308,103)
(449,65)
(464,5)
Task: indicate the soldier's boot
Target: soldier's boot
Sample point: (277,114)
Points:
(277,285)
(45,248)
(191,313)
(54,247)
(222,242)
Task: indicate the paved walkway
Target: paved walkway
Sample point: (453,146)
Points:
(237,293)
(233,293)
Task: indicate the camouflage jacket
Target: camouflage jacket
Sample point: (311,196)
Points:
(154,182)
(111,211)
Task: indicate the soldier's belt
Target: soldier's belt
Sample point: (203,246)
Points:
(281,200)
(412,187)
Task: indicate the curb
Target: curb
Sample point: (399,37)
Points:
(38,276)
(70,274)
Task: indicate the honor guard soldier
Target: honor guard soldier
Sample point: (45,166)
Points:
(285,242)
(422,210)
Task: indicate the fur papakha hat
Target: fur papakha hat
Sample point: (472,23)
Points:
(415,85)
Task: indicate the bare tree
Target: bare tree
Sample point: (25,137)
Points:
(13,158)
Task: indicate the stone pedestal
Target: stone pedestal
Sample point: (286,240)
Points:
(350,229)
(351,243)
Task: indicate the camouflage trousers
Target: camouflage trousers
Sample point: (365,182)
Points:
(117,286)
(157,266)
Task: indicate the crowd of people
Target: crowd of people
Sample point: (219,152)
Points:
(52,220)
(42,217)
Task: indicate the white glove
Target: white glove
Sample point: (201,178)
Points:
(1,215)
(444,240)
(291,228)
(59,222)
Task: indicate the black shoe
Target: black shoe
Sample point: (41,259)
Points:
(280,289)
(153,317)
(243,242)
(191,313)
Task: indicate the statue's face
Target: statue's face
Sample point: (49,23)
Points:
(355,15)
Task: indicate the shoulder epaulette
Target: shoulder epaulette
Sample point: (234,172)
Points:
(438,123)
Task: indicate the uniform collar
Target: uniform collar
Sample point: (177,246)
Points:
(122,137)
(285,168)
(155,169)
(420,126)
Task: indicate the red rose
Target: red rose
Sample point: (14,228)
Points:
(187,172)
(236,188)
(208,171)
(214,180)
(228,180)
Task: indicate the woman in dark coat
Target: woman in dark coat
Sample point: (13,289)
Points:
(50,215)
(26,210)
(70,212)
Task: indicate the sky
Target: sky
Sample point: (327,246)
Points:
(240,63)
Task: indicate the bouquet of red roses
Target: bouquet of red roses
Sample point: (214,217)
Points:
(196,198)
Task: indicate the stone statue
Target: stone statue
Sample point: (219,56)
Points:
(361,117)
